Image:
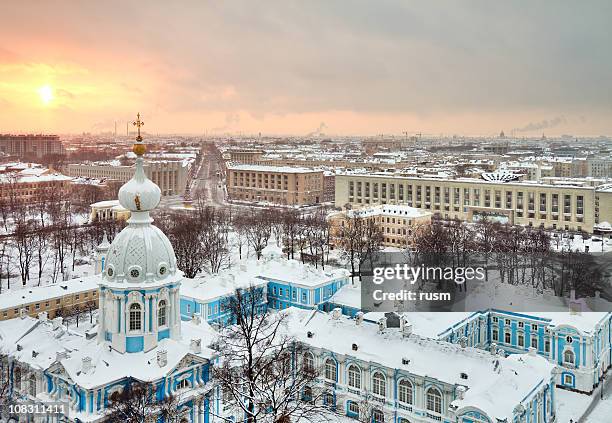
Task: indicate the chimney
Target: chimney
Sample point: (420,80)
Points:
(86,365)
(162,358)
(196,346)
(461,392)
(359,318)
(532,351)
(336,313)
(405,326)
(57,323)
(382,324)
(43,316)
(22,313)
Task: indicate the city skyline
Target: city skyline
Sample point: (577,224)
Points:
(293,68)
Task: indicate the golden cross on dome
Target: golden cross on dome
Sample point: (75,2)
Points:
(138,124)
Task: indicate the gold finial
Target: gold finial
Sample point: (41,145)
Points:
(139,148)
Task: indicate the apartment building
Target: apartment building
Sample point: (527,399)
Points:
(396,222)
(568,207)
(169,175)
(30,145)
(253,157)
(274,184)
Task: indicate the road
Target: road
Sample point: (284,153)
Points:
(600,409)
(209,181)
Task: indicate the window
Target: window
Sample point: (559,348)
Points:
(534,328)
(353,409)
(567,380)
(354,377)
(32,384)
(379,386)
(495,319)
(405,391)
(307,395)
(308,362)
(534,342)
(378,416)
(569,339)
(161,313)
(495,335)
(17,378)
(521,340)
(331,370)
(183,384)
(328,399)
(135,317)
(568,357)
(507,337)
(434,400)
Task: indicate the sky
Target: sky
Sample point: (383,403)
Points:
(345,67)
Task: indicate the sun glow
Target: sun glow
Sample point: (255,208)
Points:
(46,94)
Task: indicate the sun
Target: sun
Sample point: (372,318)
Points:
(46,94)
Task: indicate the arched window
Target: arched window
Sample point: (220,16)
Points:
(434,400)
(354,376)
(353,409)
(377,416)
(32,387)
(135,317)
(330,370)
(405,391)
(161,314)
(379,385)
(308,362)
(568,357)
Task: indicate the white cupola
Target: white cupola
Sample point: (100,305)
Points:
(139,299)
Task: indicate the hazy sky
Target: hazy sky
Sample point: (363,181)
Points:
(352,67)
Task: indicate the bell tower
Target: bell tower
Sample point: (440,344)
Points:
(139,288)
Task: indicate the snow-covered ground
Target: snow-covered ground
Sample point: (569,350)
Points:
(595,244)
(572,405)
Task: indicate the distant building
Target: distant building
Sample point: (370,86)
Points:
(246,156)
(396,222)
(329,187)
(108,210)
(27,183)
(169,175)
(562,205)
(274,184)
(30,145)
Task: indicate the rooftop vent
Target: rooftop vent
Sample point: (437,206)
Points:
(336,313)
(355,347)
(309,334)
(464,375)
(405,361)
(359,318)
(196,346)
(162,358)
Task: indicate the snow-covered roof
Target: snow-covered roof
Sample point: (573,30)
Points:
(258,272)
(37,343)
(493,388)
(272,169)
(388,210)
(17,297)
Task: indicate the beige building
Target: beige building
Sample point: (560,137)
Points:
(276,185)
(396,222)
(66,295)
(531,204)
(169,175)
(246,156)
(108,210)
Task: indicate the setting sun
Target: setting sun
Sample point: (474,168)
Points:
(46,94)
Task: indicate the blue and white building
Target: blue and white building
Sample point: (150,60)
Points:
(139,335)
(285,283)
(401,377)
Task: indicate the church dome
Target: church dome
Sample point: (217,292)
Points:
(141,253)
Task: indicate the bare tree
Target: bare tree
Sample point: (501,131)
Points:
(258,372)
(138,402)
(184,231)
(258,230)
